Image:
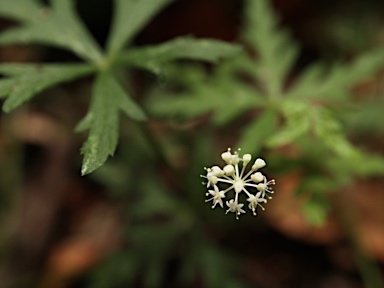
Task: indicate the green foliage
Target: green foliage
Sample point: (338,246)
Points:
(59,26)
(252,101)
(26,80)
(309,114)
(277,52)
(153,58)
(102,120)
(130,17)
(164,229)
(224,96)
(333,83)
(256,133)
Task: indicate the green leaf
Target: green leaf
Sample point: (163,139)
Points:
(6,87)
(126,103)
(225,100)
(258,131)
(330,132)
(372,164)
(297,115)
(103,119)
(30,79)
(108,98)
(58,26)
(363,120)
(22,10)
(277,52)
(84,124)
(231,99)
(152,58)
(130,17)
(333,83)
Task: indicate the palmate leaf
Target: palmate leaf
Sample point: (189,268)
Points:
(154,57)
(102,120)
(26,80)
(57,25)
(130,17)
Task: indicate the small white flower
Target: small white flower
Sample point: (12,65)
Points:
(212,174)
(235,207)
(217,196)
(264,187)
(234,177)
(255,201)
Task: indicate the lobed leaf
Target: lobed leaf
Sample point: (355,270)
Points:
(276,51)
(102,120)
(319,82)
(152,58)
(29,79)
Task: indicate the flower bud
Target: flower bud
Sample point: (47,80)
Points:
(235,159)
(257,177)
(216,171)
(259,163)
(226,156)
(246,158)
(229,170)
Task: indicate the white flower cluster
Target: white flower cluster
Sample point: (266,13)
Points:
(252,183)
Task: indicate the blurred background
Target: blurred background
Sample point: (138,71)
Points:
(141,220)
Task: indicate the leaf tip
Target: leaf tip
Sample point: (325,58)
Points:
(88,168)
